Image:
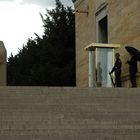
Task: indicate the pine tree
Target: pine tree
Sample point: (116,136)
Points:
(48,60)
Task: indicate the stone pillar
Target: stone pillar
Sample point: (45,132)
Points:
(92,69)
(3,65)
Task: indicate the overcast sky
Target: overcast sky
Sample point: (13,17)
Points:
(20,19)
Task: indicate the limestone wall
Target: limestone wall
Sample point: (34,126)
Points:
(123,28)
(85,34)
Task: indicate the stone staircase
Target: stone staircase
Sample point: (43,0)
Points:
(46,113)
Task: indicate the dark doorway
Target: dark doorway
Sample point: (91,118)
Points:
(103,30)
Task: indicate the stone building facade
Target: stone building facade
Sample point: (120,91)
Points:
(106,21)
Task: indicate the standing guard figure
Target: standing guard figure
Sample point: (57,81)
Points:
(133,69)
(117,70)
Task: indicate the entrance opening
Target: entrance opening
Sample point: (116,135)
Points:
(103,30)
(104,55)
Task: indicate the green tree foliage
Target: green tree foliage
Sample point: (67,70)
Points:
(48,60)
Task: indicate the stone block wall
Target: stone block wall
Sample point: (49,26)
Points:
(124,28)
(85,34)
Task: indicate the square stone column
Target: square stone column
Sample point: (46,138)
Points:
(3,65)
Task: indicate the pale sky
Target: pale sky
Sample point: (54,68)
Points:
(20,19)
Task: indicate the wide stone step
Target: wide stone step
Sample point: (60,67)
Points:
(70,123)
(83,134)
(65,90)
(64,96)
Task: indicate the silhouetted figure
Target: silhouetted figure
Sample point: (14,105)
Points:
(99,75)
(117,70)
(133,69)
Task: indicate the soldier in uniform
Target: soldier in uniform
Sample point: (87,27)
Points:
(133,70)
(117,70)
